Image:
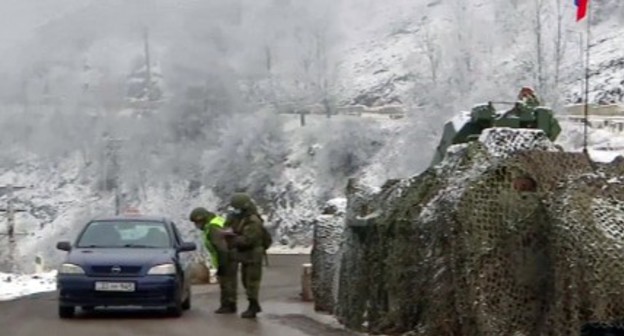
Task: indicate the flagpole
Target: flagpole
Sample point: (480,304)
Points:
(586,112)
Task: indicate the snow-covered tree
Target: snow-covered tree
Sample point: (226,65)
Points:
(345,149)
(251,155)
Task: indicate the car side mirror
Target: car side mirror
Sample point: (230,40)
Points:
(187,247)
(63,246)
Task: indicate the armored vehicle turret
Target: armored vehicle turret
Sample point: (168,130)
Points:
(469,125)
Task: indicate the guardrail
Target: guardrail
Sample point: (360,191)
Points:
(390,111)
(595,110)
(610,117)
(614,124)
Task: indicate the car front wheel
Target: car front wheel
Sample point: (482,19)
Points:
(66,311)
(186,305)
(176,309)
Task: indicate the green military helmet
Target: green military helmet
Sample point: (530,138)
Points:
(240,201)
(200,214)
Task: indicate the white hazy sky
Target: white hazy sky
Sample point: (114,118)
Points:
(19,17)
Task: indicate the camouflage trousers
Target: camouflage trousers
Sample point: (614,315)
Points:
(228,284)
(251,276)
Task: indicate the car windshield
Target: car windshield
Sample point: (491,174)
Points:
(129,234)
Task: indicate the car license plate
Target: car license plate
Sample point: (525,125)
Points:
(114,286)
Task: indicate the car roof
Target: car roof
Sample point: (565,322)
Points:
(151,218)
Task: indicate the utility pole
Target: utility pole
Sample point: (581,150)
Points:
(10,211)
(302,115)
(112,169)
(587,65)
(117,201)
(328,109)
(148,67)
(116,145)
(581,58)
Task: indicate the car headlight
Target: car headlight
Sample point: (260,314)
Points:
(70,269)
(166,269)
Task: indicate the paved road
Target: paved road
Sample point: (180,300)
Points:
(283,313)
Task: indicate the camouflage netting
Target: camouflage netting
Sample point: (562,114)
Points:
(328,230)
(507,236)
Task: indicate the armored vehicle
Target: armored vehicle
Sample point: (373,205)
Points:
(469,125)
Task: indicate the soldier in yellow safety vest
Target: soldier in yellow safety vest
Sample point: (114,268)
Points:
(215,230)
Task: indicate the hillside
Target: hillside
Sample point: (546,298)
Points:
(453,53)
(60,197)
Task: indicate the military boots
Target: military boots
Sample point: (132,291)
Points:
(226,309)
(253,309)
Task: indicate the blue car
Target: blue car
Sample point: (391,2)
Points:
(126,261)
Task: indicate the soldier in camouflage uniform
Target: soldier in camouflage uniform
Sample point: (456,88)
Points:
(215,230)
(247,241)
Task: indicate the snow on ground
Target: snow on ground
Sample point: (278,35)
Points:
(282,249)
(13,286)
(603,145)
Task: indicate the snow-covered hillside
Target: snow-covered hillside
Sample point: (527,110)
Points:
(453,53)
(435,57)
(60,197)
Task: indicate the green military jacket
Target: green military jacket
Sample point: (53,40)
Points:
(248,242)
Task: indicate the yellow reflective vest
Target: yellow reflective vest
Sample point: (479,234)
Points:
(217,221)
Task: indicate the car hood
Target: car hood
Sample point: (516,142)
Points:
(120,256)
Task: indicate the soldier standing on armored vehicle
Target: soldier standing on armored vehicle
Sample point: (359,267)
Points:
(528,96)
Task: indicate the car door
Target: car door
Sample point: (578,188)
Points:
(184,258)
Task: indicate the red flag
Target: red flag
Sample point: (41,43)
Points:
(581,10)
